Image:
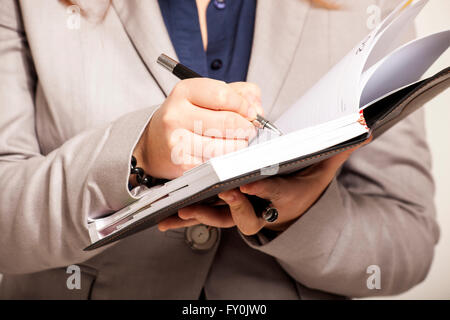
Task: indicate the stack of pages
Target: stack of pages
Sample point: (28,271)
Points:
(368,91)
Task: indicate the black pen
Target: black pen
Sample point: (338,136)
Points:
(183,72)
(263,207)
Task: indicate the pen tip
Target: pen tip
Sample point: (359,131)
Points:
(264,123)
(274,129)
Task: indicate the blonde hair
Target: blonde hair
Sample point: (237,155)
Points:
(95,10)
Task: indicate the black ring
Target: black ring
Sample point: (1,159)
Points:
(270,214)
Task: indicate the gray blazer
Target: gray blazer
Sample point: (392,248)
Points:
(73,104)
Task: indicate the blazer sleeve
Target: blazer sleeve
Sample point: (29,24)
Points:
(379,211)
(45,200)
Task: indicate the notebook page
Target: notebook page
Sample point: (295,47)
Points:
(403,67)
(390,30)
(337,94)
(287,147)
(329,99)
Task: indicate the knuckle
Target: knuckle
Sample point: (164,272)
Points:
(255,88)
(276,194)
(250,228)
(259,187)
(223,96)
(236,206)
(229,122)
(180,89)
(168,121)
(184,214)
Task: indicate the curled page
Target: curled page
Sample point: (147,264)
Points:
(337,94)
(403,67)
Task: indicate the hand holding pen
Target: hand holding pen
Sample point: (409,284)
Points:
(200,119)
(262,207)
(183,72)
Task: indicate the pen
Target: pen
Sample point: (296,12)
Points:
(183,72)
(263,207)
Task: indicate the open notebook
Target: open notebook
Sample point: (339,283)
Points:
(369,91)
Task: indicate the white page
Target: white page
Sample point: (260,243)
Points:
(97,232)
(336,95)
(390,30)
(155,194)
(331,98)
(403,67)
(288,147)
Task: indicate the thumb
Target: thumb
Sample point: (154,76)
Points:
(338,160)
(242,212)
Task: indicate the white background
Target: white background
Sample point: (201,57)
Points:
(436,17)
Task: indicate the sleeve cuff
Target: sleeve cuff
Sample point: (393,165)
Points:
(112,169)
(319,228)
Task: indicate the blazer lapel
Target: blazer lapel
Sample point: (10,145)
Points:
(145,27)
(278,29)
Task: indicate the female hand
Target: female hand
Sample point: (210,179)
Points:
(201,119)
(292,195)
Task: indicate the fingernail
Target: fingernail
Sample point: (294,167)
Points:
(260,107)
(184,213)
(243,189)
(228,197)
(252,113)
(253,133)
(251,98)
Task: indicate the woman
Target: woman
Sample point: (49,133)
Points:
(78,102)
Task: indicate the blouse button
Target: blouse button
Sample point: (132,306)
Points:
(216,64)
(220,4)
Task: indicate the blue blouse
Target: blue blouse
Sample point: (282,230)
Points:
(230,36)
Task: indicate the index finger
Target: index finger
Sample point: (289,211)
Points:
(214,95)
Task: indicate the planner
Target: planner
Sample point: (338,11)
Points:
(371,89)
